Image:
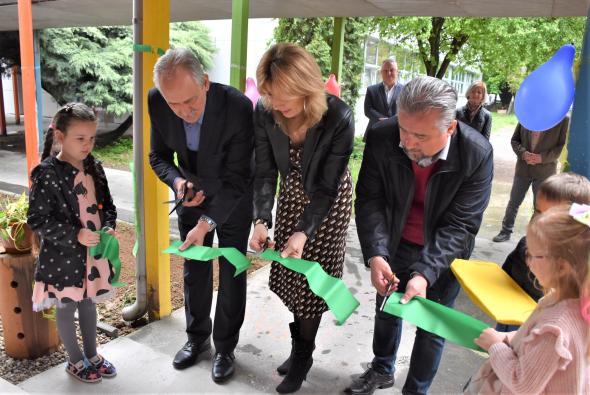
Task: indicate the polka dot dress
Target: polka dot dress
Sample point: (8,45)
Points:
(96,284)
(327,248)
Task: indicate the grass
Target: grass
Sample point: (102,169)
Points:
(501,121)
(116,155)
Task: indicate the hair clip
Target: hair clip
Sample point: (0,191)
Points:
(51,126)
(581,213)
(68,107)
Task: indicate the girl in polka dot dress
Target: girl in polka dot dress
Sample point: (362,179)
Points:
(68,202)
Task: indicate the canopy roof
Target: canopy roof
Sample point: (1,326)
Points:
(66,13)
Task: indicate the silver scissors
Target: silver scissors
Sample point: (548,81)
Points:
(178,201)
(386,297)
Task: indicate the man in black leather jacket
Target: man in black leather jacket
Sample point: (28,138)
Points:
(423,186)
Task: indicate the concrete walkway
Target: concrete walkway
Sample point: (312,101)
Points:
(144,358)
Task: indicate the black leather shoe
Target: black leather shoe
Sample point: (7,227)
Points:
(502,236)
(189,353)
(223,367)
(369,381)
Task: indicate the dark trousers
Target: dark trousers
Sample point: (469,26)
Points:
(427,350)
(520,186)
(231,297)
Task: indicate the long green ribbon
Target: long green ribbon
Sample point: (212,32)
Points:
(443,321)
(108,248)
(333,290)
(202,253)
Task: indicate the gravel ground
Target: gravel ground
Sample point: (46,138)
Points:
(16,371)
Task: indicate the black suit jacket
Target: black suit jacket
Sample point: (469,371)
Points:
(458,193)
(224,168)
(326,151)
(376,103)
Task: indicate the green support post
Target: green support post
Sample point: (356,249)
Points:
(239,43)
(338,47)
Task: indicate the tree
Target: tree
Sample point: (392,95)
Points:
(316,35)
(10,54)
(94,65)
(506,49)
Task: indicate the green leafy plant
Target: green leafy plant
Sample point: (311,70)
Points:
(13,220)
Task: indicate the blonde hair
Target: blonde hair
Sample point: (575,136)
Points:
(565,187)
(568,242)
(478,84)
(295,72)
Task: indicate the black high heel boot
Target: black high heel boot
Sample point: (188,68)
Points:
(283,369)
(301,361)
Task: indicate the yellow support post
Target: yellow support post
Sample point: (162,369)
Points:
(156,26)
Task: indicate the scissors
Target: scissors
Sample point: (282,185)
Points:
(389,286)
(177,202)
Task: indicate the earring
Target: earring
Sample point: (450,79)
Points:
(304,105)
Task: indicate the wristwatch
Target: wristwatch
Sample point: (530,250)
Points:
(209,221)
(262,222)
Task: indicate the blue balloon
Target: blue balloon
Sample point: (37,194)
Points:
(546,95)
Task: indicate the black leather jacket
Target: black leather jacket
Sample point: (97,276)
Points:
(326,151)
(457,194)
(482,122)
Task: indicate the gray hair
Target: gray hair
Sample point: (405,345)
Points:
(424,93)
(389,60)
(167,64)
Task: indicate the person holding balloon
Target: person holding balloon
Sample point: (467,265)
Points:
(473,113)
(536,159)
(306,136)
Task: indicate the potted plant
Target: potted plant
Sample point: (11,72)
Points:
(15,234)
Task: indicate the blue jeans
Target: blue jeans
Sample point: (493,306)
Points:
(427,350)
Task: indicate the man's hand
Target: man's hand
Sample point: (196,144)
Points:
(88,238)
(195,236)
(417,286)
(535,159)
(294,246)
(489,337)
(381,274)
(259,238)
(192,199)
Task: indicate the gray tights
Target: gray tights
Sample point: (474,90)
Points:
(67,328)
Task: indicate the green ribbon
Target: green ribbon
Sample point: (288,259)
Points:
(108,248)
(443,321)
(147,48)
(333,290)
(203,253)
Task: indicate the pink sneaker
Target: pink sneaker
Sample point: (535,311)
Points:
(87,374)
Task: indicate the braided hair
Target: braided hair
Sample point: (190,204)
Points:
(63,118)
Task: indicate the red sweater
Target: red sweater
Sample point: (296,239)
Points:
(414,229)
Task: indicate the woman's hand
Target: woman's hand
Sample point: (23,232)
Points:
(489,337)
(259,238)
(294,246)
(88,238)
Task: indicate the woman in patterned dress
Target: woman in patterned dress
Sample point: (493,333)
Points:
(69,201)
(306,136)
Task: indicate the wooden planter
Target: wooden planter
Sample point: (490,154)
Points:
(26,333)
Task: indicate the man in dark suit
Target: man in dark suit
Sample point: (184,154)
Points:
(209,128)
(380,98)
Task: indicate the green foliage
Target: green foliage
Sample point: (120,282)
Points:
(316,35)
(13,218)
(506,49)
(195,37)
(116,155)
(10,54)
(94,64)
